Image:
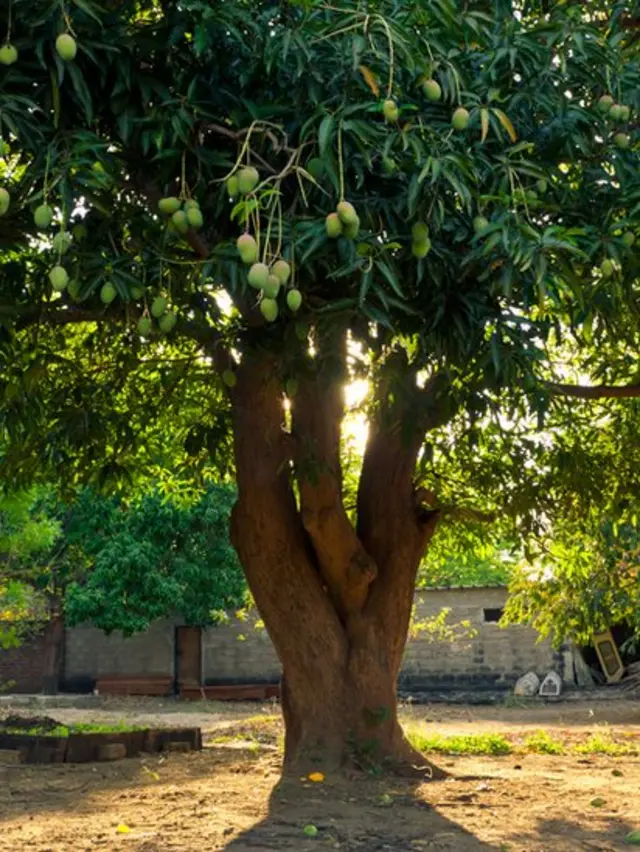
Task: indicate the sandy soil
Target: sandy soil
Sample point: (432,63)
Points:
(227,798)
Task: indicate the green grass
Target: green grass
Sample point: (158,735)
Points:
(461,744)
(68,730)
(604,745)
(540,742)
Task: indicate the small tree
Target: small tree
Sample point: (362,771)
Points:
(256,203)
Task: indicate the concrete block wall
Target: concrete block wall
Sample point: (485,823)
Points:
(90,653)
(241,651)
(489,656)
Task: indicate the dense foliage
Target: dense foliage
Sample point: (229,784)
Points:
(211,209)
(118,566)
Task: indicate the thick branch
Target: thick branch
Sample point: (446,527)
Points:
(595,391)
(318,411)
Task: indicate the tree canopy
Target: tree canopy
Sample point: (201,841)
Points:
(220,213)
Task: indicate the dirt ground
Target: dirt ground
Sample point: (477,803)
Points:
(228,797)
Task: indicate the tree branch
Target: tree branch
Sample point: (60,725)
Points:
(594,391)
(318,410)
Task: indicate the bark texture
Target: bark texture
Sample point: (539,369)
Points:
(336,599)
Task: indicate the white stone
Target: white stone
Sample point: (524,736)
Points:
(551,685)
(527,685)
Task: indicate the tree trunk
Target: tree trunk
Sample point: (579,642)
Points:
(336,602)
(53,655)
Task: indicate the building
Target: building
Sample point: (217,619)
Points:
(172,655)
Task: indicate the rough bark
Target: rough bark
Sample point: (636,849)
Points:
(336,601)
(53,655)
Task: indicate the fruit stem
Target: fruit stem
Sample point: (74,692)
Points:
(45,188)
(340,162)
(67,20)
(391,57)
(9,22)
(183,179)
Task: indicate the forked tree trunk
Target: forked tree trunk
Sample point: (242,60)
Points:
(336,602)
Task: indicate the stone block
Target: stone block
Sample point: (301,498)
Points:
(112,751)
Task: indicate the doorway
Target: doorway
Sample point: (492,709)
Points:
(188,657)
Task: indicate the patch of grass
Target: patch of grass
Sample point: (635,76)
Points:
(461,744)
(598,744)
(540,742)
(78,728)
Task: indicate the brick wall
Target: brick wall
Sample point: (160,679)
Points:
(23,665)
(240,651)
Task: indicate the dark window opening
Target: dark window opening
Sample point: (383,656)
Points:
(492,616)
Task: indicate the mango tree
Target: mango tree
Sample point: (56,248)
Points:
(226,211)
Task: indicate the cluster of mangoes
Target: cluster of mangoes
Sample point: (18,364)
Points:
(66,48)
(268,279)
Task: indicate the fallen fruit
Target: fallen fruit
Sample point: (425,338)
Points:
(232,186)
(633,839)
(622,140)
(167,322)
(269,309)
(169,205)
(158,306)
(5,201)
(8,54)
(333,225)
(480,224)
(597,802)
(432,90)
(59,278)
(66,47)
(390,110)
(248,179)
(606,268)
(144,326)
(460,119)
(282,269)
(419,232)
(108,293)
(605,103)
(247,248)
(43,216)
(294,300)
(310,831)
(229,378)
(258,276)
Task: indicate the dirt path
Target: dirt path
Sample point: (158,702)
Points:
(228,798)
(220,800)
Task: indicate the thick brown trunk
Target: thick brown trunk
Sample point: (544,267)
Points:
(336,604)
(53,655)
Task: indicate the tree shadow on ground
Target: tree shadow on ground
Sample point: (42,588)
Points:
(565,835)
(357,813)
